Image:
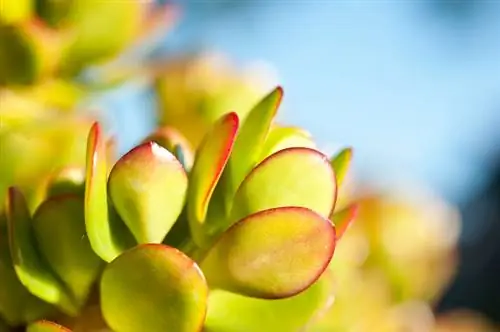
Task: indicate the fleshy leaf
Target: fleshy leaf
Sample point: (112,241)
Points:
(59,227)
(148,187)
(251,137)
(69,180)
(281,138)
(46,326)
(29,267)
(153,287)
(108,236)
(344,218)
(172,140)
(211,158)
(17,304)
(292,177)
(275,253)
(341,163)
(228,312)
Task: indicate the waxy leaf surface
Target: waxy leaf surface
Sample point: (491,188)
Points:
(251,137)
(228,312)
(271,254)
(344,218)
(28,264)
(153,287)
(59,227)
(46,326)
(341,163)
(172,140)
(210,161)
(148,188)
(108,236)
(281,138)
(292,177)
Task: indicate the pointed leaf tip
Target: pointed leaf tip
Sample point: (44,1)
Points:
(274,253)
(344,218)
(210,161)
(148,187)
(341,163)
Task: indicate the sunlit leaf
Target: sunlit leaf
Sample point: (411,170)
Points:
(281,138)
(148,187)
(344,218)
(107,235)
(69,180)
(271,254)
(30,268)
(250,140)
(291,177)
(59,227)
(211,159)
(228,312)
(341,163)
(153,287)
(46,326)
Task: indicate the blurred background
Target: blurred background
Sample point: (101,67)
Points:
(412,86)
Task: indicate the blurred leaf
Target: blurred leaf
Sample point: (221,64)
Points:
(54,12)
(341,163)
(228,312)
(153,287)
(14,11)
(30,268)
(280,138)
(292,177)
(344,218)
(209,164)
(68,180)
(59,227)
(17,304)
(30,51)
(250,139)
(108,236)
(271,254)
(172,140)
(46,326)
(148,187)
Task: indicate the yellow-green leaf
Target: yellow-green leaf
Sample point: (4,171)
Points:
(341,163)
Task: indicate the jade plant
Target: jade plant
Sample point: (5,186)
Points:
(236,235)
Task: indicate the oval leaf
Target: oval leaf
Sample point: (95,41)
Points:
(46,326)
(341,163)
(271,254)
(292,177)
(69,180)
(172,140)
(29,267)
(291,314)
(59,227)
(108,236)
(248,144)
(344,218)
(281,138)
(153,287)
(210,161)
(148,187)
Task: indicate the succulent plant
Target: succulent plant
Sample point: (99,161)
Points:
(237,240)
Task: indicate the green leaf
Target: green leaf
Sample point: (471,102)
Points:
(341,163)
(250,140)
(344,218)
(153,287)
(31,270)
(59,227)
(228,312)
(281,138)
(68,180)
(209,164)
(291,177)
(14,11)
(108,236)
(46,326)
(271,254)
(148,187)
(172,140)
(17,304)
